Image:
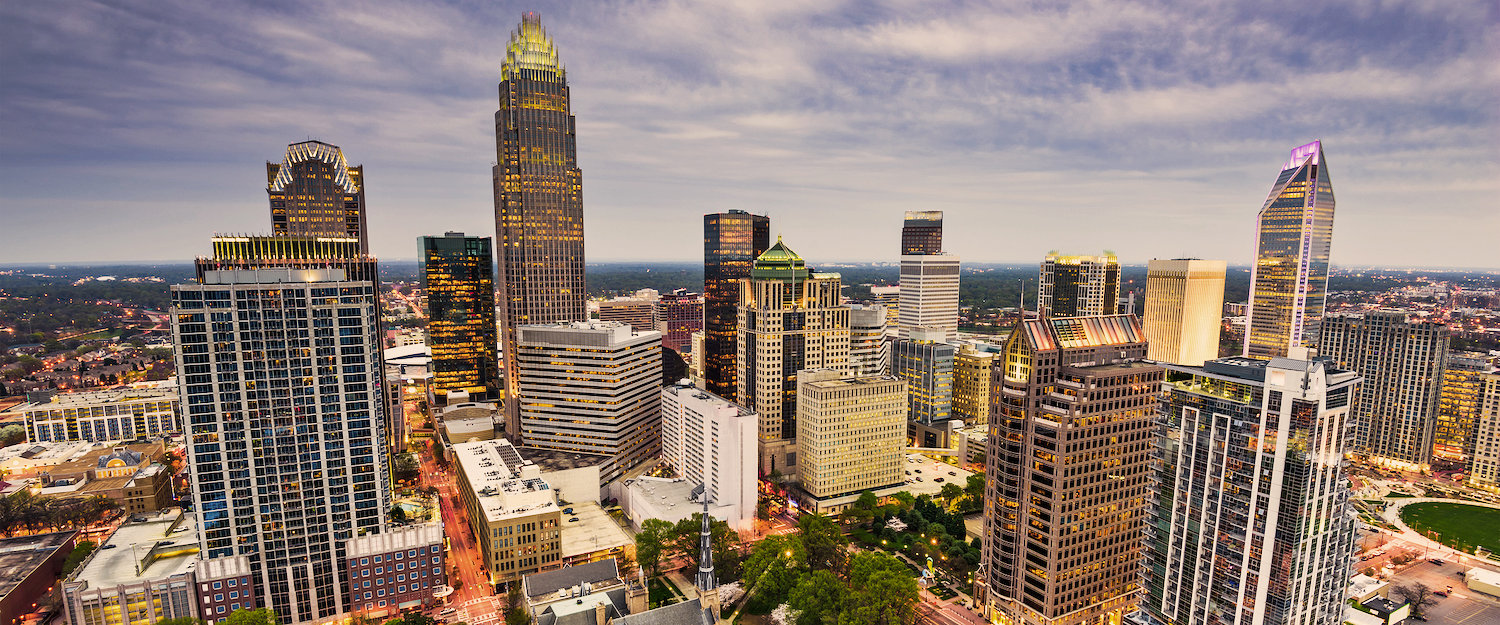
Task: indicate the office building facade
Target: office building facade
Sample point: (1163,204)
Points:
(1402,360)
(925,363)
(458,280)
(1066,471)
(711,441)
(790,319)
(1458,406)
(731,243)
(851,434)
(111,415)
(929,294)
(283,406)
(637,312)
(1250,520)
(538,194)
(678,315)
(1293,237)
(869,352)
(1184,304)
(922,233)
(591,388)
(315,193)
(972,373)
(512,511)
(889,296)
(1079,286)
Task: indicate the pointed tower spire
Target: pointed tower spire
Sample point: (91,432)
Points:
(706,582)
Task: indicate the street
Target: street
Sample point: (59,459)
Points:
(473,597)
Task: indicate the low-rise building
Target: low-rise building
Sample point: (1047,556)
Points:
(223,587)
(512,511)
(29,566)
(594,593)
(395,572)
(110,415)
(142,574)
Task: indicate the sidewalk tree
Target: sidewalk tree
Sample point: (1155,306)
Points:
(818,597)
(651,544)
(824,541)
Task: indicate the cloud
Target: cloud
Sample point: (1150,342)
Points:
(1150,128)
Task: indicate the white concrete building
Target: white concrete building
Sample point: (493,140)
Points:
(869,353)
(929,294)
(711,441)
(590,387)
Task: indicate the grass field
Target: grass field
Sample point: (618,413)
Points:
(1457,525)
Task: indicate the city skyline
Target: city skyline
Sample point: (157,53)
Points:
(1139,131)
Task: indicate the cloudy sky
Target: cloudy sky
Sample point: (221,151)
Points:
(135,130)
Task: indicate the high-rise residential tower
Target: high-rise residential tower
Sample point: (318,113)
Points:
(925,363)
(1402,360)
(790,319)
(1458,408)
(1079,286)
(592,388)
(538,193)
(1293,236)
(315,193)
(1484,464)
(281,386)
(458,279)
(1250,521)
(1184,308)
(922,233)
(1068,458)
(731,243)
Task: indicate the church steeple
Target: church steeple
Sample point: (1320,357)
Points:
(706,582)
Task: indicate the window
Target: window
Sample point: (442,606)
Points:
(217,585)
(364,561)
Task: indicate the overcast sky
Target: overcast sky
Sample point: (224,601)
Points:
(136,130)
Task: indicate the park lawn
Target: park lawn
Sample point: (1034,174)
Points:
(662,593)
(1457,525)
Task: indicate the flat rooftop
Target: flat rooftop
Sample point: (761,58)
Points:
(505,485)
(593,531)
(165,544)
(550,460)
(673,499)
(21,555)
(99,398)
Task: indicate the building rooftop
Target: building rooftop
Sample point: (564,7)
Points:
(165,544)
(505,485)
(96,398)
(21,555)
(396,539)
(593,531)
(539,584)
(1071,332)
(551,460)
(688,612)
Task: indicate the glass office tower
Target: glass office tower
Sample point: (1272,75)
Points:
(315,193)
(1293,235)
(538,193)
(731,243)
(922,233)
(458,279)
(1079,286)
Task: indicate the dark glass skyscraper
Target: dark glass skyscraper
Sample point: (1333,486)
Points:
(458,279)
(1079,286)
(731,243)
(922,233)
(538,192)
(1293,235)
(315,193)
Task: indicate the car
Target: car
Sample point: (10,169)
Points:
(919,470)
(952,474)
(1435,560)
(108,546)
(573,520)
(1440,593)
(937,479)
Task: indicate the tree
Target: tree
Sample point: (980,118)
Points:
(75,557)
(1418,595)
(181,620)
(886,598)
(951,493)
(775,566)
(823,541)
(651,544)
(262,616)
(818,597)
(398,515)
(12,434)
(405,468)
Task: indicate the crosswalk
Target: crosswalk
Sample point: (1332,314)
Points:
(481,611)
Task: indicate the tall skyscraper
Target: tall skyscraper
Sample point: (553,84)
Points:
(458,279)
(972,370)
(315,193)
(281,377)
(1458,408)
(592,388)
(1250,522)
(1484,465)
(731,243)
(1293,235)
(1066,468)
(922,233)
(929,294)
(790,319)
(1402,360)
(925,363)
(678,315)
(1184,310)
(1079,286)
(538,194)
(869,352)
(851,433)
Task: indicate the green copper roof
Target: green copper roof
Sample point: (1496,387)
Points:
(531,49)
(779,262)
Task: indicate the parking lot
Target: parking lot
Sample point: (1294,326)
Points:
(1461,605)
